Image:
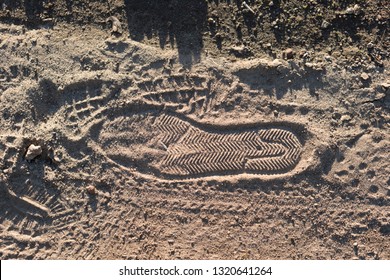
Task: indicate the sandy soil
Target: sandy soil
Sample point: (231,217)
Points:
(194,129)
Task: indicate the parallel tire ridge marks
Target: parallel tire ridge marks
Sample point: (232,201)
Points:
(188,90)
(48,202)
(194,206)
(172,82)
(32,208)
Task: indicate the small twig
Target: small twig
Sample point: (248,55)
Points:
(249,8)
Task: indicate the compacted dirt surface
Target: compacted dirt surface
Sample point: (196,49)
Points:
(191,129)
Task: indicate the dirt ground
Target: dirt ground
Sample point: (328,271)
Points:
(168,129)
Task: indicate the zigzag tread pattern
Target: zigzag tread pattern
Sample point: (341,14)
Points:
(171,129)
(193,151)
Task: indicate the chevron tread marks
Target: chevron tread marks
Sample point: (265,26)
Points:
(200,152)
(169,146)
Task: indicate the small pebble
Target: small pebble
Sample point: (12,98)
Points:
(33,151)
(345,118)
(288,53)
(385,85)
(211,21)
(325,24)
(57,159)
(364,76)
(91,189)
